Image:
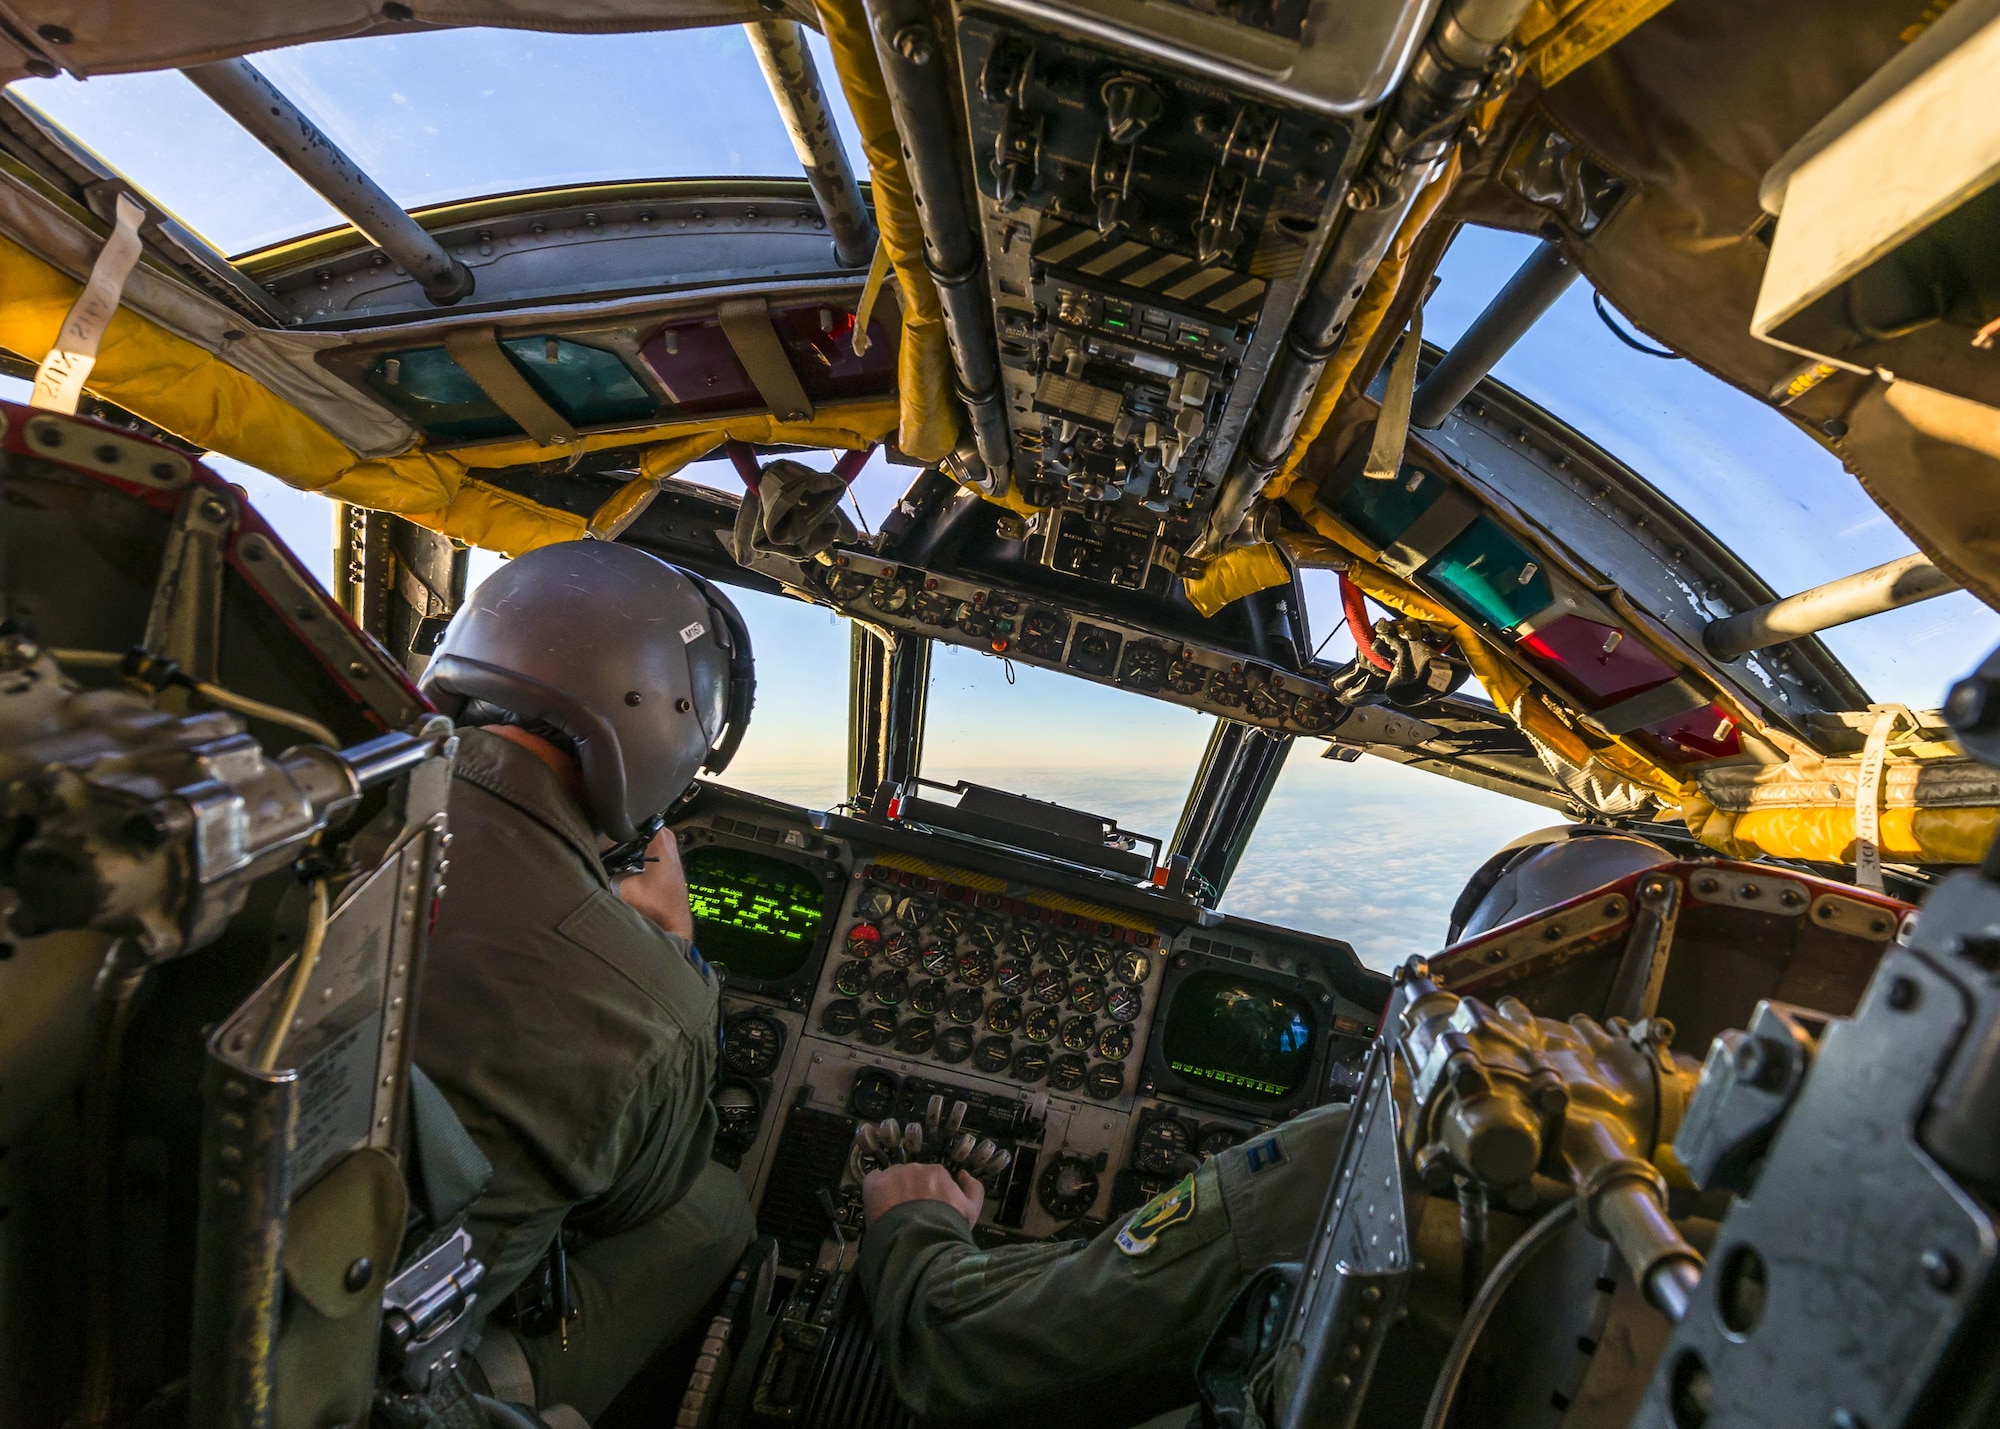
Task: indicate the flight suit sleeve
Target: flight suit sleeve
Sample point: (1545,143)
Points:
(1071,1333)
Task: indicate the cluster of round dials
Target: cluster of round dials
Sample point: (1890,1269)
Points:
(1172,1145)
(934,978)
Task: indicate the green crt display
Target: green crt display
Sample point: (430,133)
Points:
(756,917)
(1241,1035)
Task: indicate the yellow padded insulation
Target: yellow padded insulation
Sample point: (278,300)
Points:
(924,376)
(1827,833)
(188,391)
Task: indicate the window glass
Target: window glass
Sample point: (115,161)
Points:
(796,746)
(447,114)
(1740,467)
(1063,739)
(1371,852)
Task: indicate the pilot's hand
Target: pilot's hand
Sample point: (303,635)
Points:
(660,889)
(921,1181)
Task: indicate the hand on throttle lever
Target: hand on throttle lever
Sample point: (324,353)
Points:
(931,1160)
(921,1181)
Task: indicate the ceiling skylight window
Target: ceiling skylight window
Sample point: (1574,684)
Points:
(444,115)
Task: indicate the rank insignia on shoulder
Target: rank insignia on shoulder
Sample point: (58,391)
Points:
(1263,1155)
(1170,1208)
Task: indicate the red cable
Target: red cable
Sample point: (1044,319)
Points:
(743,457)
(1358,625)
(850,463)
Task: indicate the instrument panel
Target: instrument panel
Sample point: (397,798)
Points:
(1107,1044)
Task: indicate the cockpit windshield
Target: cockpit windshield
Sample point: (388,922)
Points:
(443,115)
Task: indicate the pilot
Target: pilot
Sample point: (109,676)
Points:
(566,1014)
(1106,1332)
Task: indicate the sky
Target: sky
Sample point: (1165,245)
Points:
(1370,852)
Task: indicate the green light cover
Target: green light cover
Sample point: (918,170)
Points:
(1380,511)
(1489,571)
(589,386)
(755,916)
(437,396)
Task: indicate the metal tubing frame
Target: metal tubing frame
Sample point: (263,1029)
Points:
(913,72)
(887,691)
(780,47)
(1238,771)
(1889,586)
(1532,290)
(246,95)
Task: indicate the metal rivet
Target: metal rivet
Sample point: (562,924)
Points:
(1939,1269)
(55,34)
(683,704)
(633,697)
(359,1272)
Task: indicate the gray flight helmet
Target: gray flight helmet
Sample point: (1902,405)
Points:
(646,666)
(1544,868)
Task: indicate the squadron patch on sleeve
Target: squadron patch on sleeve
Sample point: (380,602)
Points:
(1170,1208)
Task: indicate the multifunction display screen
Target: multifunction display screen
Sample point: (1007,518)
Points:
(1240,1034)
(754,915)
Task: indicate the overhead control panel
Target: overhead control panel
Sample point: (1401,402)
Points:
(1145,233)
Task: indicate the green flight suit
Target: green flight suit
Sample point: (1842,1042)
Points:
(1088,1333)
(577,1042)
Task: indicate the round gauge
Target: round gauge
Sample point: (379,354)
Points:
(874,903)
(1133,968)
(916,1036)
(1040,1024)
(939,962)
(738,1109)
(1060,949)
(913,910)
(1104,1081)
(1214,1140)
(975,967)
(1086,995)
(965,1005)
(1011,977)
(1066,1072)
(878,1026)
(1079,1034)
(949,923)
(864,940)
(1123,1004)
(1094,960)
(890,988)
(752,1044)
(891,597)
(1068,1188)
(847,585)
(851,979)
(899,949)
(1003,1014)
(1049,985)
(1025,941)
(954,1044)
(987,931)
(839,1019)
(1114,1043)
(928,996)
(873,1095)
(1161,1144)
(1030,1064)
(993,1054)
